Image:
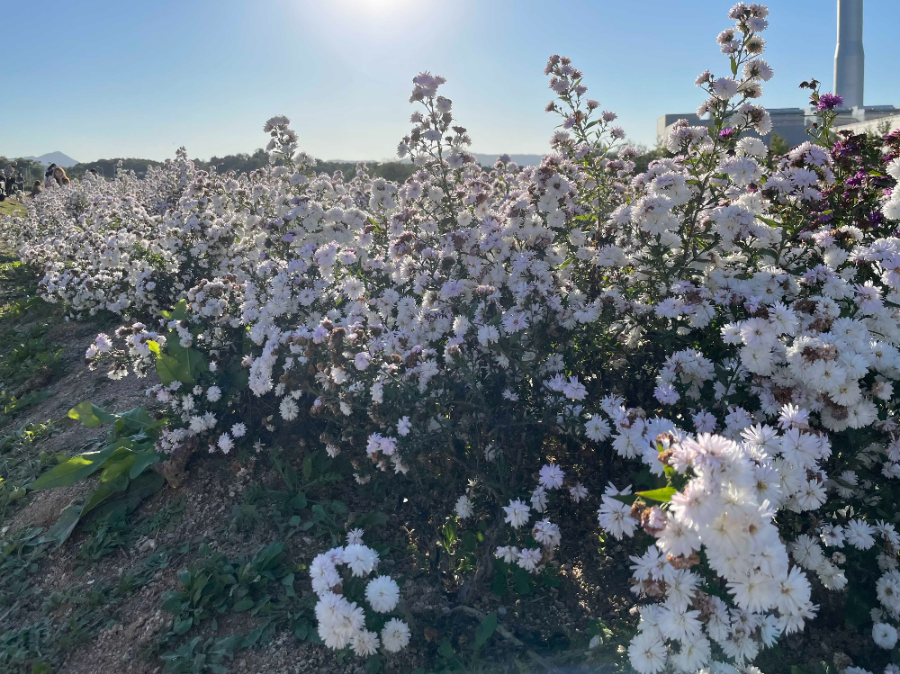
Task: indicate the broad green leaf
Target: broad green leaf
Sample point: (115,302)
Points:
(243,605)
(90,415)
(663,495)
(299,501)
(138,418)
(445,650)
(115,467)
(167,369)
(498,581)
(142,461)
(64,526)
(104,491)
(484,630)
(373,664)
(182,625)
(73,470)
(139,489)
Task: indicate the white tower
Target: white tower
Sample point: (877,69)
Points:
(849,57)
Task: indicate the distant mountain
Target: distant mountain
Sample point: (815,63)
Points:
(57,158)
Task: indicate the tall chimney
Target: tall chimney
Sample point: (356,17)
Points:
(849,57)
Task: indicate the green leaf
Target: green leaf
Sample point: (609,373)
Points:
(182,625)
(521,581)
(90,415)
(137,419)
(243,605)
(338,507)
(373,664)
(445,650)
(499,579)
(184,576)
(167,369)
(64,526)
(142,461)
(153,346)
(484,630)
(75,469)
(663,495)
(307,469)
(116,466)
(178,313)
(301,630)
(138,489)
(857,611)
(104,491)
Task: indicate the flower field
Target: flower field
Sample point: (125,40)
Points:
(691,368)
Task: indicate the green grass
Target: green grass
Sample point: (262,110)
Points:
(28,362)
(10,207)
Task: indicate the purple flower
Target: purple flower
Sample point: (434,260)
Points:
(727,132)
(875,218)
(829,102)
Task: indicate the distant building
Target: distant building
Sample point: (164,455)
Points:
(849,80)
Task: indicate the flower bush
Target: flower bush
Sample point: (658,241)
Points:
(717,338)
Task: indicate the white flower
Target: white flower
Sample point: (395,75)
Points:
(546,533)
(361,360)
(365,643)
(884,635)
(529,559)
(517,514)
(213,394)
(551,476)
(382,593)
(647,653)
(288,409)
(404,426)
(859,534)
(597,428)
(225,443)
(362,560)
(464,507)
(578,492)
(539,499)
(615,517)
(395,636)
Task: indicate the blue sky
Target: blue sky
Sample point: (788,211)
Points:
(136,78)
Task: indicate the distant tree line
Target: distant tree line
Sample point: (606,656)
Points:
(243,163)
(30,169)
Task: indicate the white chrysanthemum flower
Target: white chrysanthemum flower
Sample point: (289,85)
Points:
(884,635)
(464,507)
(382,593)
(395,636)
(551,477)
(517,514)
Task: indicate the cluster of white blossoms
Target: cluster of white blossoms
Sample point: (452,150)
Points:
(725,508)
(342,622)
(891,208)
(517,334)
